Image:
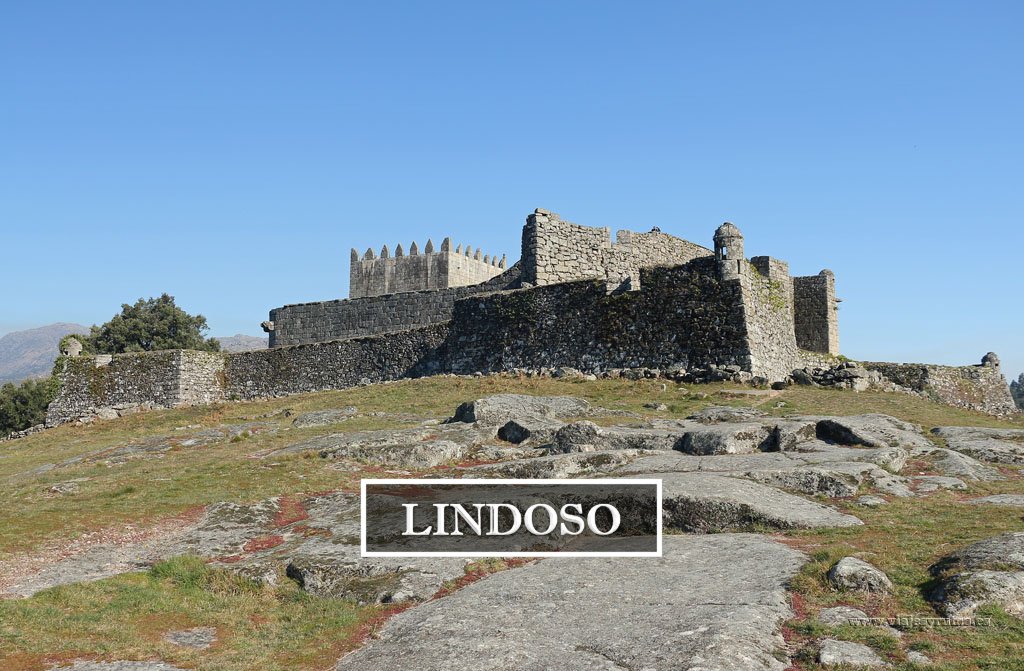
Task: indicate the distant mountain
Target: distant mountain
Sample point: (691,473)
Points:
(25,354)
(242,343)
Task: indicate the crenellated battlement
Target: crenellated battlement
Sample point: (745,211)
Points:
(373,274)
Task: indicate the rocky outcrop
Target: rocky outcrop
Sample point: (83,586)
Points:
(1001,446)
(987,572)
(714,602)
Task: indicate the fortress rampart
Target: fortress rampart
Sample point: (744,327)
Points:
(575,299)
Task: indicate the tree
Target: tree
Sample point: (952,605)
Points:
(1017,391)
(153,324)
(24,405)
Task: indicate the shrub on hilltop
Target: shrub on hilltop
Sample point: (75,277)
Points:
(148,325)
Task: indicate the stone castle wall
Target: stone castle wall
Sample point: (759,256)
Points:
(374,275)
(683,317)
(982,388)
(816,318)
(108,386)
(139,379)
(556,251)
(352,318)
(334,365)
(767,305)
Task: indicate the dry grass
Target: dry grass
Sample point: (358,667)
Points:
(284,628)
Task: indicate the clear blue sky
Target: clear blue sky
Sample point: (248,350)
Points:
(230,153)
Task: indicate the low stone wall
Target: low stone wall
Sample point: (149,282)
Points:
(982,388)
(357,317)
(107,387)
(124,382)
(334,365)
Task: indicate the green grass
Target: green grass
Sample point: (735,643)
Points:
(283,628)
(126,617)
(904,538)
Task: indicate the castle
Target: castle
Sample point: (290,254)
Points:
(701,307)
(575,299)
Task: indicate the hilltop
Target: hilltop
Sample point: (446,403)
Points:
(228,524)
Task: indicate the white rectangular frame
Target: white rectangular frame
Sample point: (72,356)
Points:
(506,481)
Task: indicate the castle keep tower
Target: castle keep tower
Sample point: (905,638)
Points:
(374,275)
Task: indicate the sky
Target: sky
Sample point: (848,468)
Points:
(231,153)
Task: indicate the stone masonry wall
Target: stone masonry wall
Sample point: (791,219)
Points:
(683,317)
(334,365)
(353,318)
(113,385)
(816,315)
(767,302)
(140,379)
(982,388)
(374,275)
(556,251)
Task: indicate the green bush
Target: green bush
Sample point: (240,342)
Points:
(149,325)
(24,405)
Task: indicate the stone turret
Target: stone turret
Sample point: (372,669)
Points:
(729,251)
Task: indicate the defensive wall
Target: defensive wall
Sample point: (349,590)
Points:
(576,299)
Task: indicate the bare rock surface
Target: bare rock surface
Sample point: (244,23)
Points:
(701,502)
(853,574)
(932,483)
(1000,500)
(871,430)
(324,417)
(198,638)
(729,438)
(840,615)
(1000,446)
(422,447)
(498,409)
(990,571)
(848,655)
(957,465)
(712,602)
(555,466)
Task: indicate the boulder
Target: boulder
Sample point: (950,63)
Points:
(872,430)
(990,571)
(850,573)
(536,430)
(729,438)
(839,615)
(958,465)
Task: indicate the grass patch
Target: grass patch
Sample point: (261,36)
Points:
(258,627)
